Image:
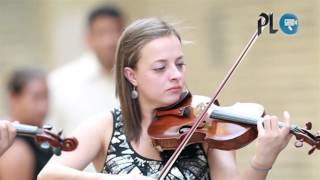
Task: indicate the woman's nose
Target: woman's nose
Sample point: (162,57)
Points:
(176,73)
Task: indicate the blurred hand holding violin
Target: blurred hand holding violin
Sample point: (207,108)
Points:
(43,136)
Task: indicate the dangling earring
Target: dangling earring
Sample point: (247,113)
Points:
(134,93)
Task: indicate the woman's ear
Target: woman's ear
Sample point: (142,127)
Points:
(130,74)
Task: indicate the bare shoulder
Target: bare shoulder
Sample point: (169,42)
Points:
(104,123)
(92,136)
(9,160)
(97,129)
(98,123)
(19,147)
(103,120)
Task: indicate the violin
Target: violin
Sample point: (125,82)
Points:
(46,138)
(225,128)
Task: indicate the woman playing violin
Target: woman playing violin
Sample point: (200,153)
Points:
(150,73)
(28,104)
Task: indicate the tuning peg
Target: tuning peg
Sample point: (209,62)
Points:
(47,127)
(56,151)
(308,125)
(298,143)
(312,149)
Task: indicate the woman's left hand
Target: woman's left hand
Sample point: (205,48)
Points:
(272,139)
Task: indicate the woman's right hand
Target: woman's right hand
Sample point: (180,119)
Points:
(7,135)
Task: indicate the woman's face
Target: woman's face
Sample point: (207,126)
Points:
(160,71)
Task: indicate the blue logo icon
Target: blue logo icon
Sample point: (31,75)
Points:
(288,24)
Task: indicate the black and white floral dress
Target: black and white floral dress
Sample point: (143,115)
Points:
(122,158)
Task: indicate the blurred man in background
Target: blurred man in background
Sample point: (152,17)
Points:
(28,104)
(85,86)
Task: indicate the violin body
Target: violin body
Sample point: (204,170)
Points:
(171,124)
(225,128)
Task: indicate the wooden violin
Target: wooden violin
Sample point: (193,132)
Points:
(46,138)
(225,128)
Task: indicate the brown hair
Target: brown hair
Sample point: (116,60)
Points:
(132,40)
(21,77)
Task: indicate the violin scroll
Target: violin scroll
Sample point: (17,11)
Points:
(47,139)
(304,135)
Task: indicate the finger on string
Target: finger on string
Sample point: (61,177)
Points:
(261,130)
(12,132)
(274,123)
(287,121)
(267,123)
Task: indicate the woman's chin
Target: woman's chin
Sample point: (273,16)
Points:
(169,100)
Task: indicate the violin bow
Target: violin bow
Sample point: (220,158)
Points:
(165,170)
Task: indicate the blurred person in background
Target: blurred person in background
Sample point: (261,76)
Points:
(7,135)
(85,86)
(27,104)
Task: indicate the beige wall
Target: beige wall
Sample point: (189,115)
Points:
(280,72)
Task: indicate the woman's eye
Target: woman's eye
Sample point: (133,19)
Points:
(180,65)
(161,68)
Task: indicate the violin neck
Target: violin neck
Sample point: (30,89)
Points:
(226,114)
(26,130)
